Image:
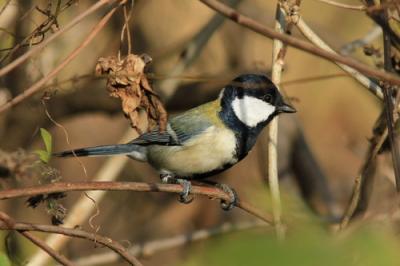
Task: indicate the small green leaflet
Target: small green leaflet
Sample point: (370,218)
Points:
(45,155)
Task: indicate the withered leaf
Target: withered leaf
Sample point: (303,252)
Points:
(128,82)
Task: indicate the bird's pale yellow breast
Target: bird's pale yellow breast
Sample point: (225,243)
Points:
(208,151)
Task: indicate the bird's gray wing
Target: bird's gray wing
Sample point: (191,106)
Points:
(155,137)
(179,129)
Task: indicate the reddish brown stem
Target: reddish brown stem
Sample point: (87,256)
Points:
(211,192)
(9,224)
(255,26)
(105,241)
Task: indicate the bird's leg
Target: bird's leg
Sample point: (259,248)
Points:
(167,179)
(184,196)
(226,206)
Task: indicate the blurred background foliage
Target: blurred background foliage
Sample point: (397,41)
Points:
(335,115)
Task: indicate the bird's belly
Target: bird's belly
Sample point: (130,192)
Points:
(209,151)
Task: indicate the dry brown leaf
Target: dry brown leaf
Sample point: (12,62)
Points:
(127,81)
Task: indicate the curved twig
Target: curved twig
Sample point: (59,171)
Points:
(9,224)
(78,233)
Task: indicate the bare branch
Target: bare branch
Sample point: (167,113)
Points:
(39,47)
(393,139)
(346,6)
(9,224)
(363,182)
(315,39)
(83,207)
(278,53)
(39,84)
(151,247)
(295,42)
(211,192)
(72,232)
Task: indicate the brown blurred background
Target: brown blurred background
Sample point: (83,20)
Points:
(335,116)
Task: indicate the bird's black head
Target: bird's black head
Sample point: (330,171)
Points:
(253,100)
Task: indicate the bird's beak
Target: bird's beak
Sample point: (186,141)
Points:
(285,108)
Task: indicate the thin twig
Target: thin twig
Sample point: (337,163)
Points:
(372,35)
(387,46)
(295,42)
(315,39)
(83,207)
(360,190)
(39,47)
(346,6)
(151,247)
(4,6)
(278,54)
(9,224)
(39,84)
(191,51)
(78,233)
(212,192)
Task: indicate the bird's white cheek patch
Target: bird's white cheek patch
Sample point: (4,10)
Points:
(252,111)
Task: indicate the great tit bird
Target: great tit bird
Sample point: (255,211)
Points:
(207,139)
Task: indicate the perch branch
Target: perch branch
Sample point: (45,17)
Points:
(211,192)
(83,207)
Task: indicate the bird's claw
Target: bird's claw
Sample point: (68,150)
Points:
(184,196)
(225,205)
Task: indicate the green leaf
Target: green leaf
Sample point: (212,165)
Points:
(44,156)
(47,139)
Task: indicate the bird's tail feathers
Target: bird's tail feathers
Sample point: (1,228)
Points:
(98,151)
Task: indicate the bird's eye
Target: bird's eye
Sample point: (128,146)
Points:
(267,98)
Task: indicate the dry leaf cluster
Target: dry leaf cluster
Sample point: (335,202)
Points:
(127,80)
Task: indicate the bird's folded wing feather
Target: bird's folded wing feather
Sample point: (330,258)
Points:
(180,129)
